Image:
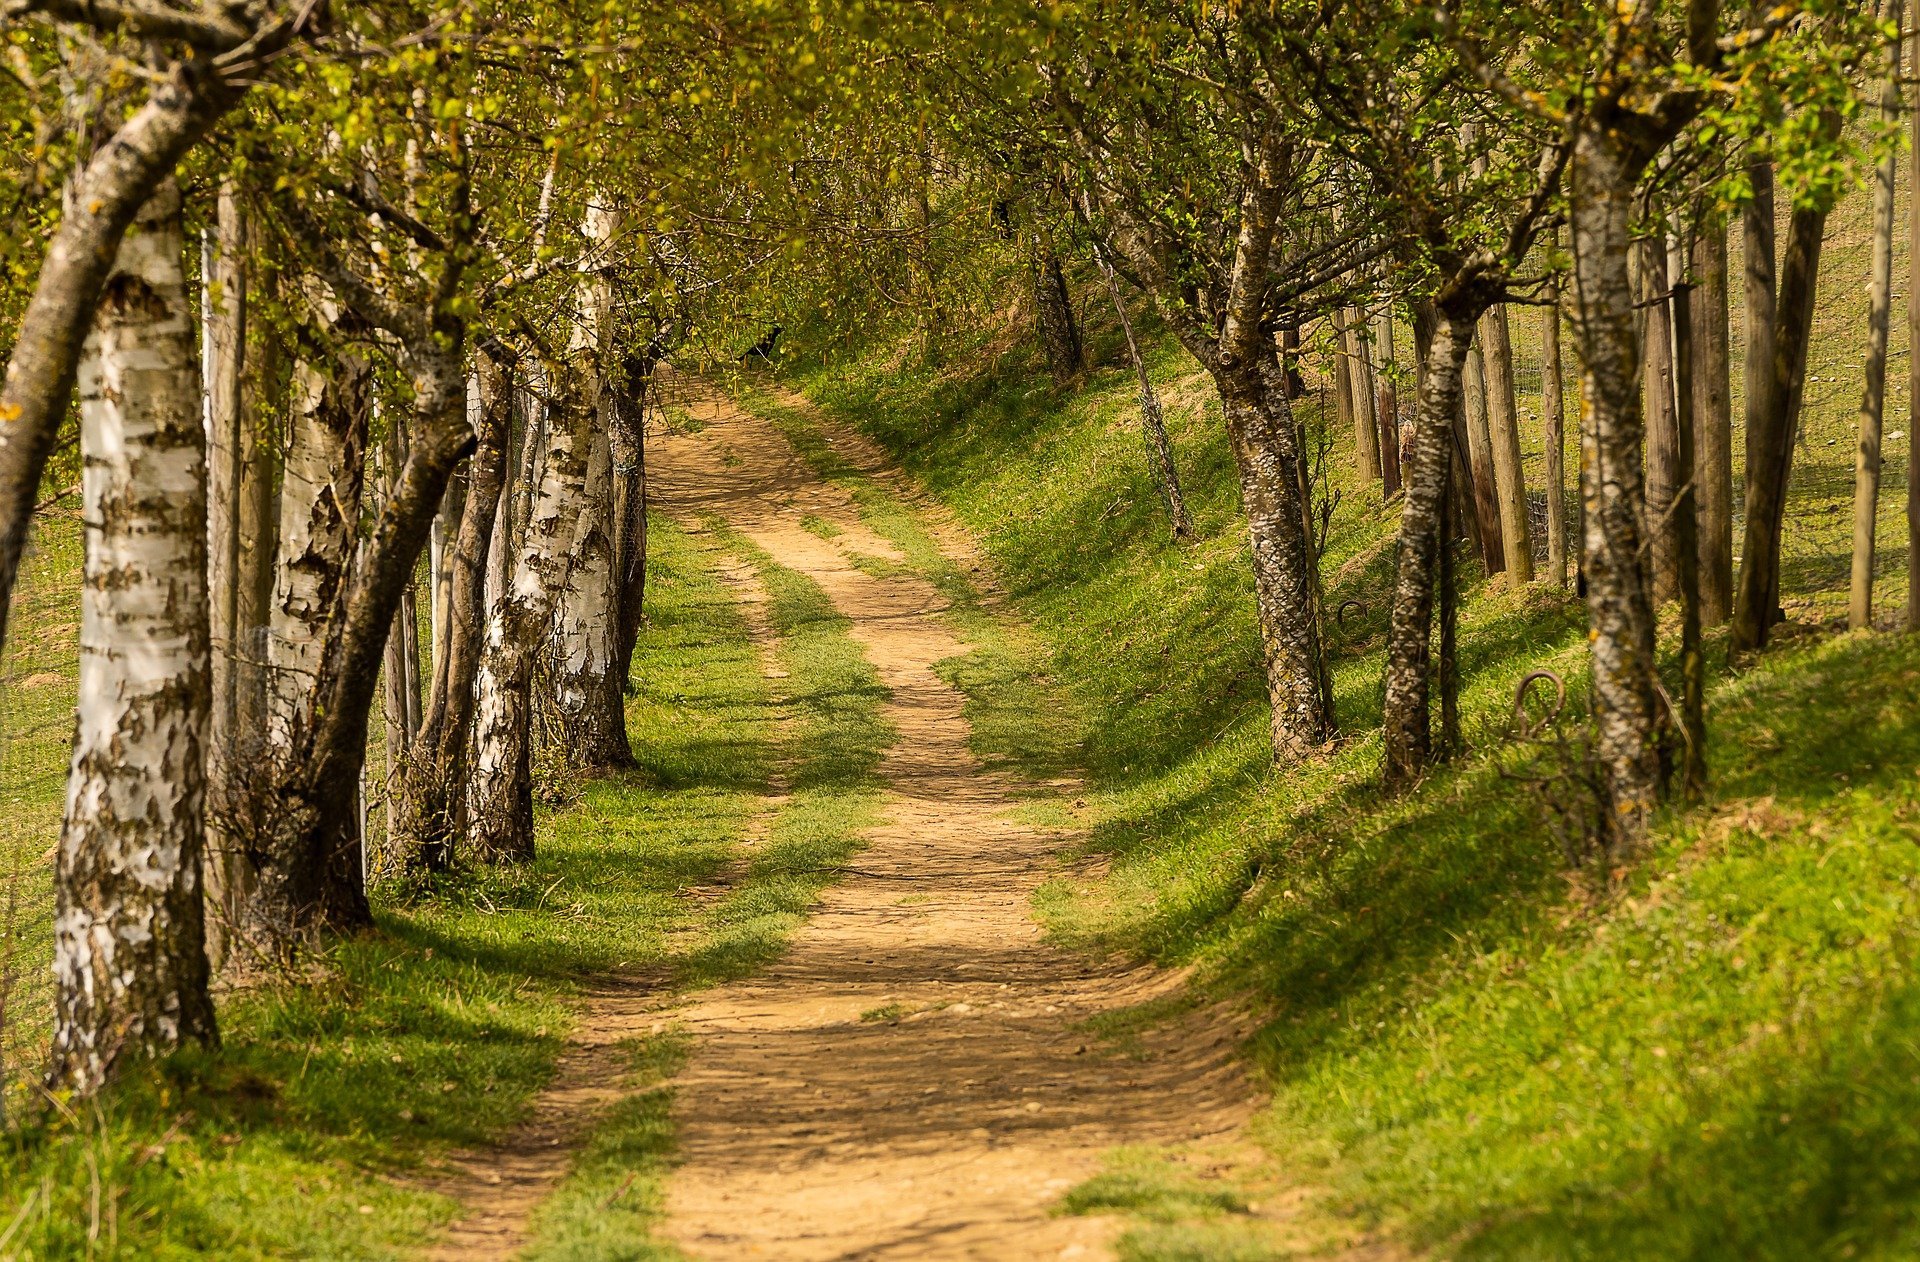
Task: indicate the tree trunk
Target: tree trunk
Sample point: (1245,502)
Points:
(1366,425)
(1264,439)
(589,696)
(501,800)
(1481,485)
(627,432)
(431,789)
(1712,419)
(1153,423)
(1341,376)
(116,182)
(1758,293)
(1913,351)
(1053,305)
(1663,443)
(1386,406)
(130,964)
(319,514)
(1693,659)
(1866,468)
(446,525)
(1553,412)
(1424,536)
(1770,436)
(1503,424)
(1612,487)
(223,325)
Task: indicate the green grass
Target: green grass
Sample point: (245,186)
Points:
(38,678)
(300,1136)
(1716,1055)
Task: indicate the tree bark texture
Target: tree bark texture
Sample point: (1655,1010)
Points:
(1386,405)
(319,515)
(1553,413)
(1481,484)
(1663,442)
(1053,305)
(1712,419)
(1153,424)
(1503,426)
(430,790)
(1613,488)
(1424,532)
(627,435)
(501,791)
(1772,426)
(589,696)
(1866,465)
(1359,365)
(1913,344)
(105,197)
(130,964)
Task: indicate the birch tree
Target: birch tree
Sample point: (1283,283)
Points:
(130,963)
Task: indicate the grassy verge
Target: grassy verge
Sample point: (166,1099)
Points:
(826,751)
(38,677)
(433,1032)
(1717,1056)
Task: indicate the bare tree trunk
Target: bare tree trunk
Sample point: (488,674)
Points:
(224,334)
(627,431)
(1261,428)
(1153,423)
(1341,376)
(1663,444)
(501,798)
(589,696)
(1386,405)
(1481,485)
(1553,411)
(116,182)
(319,513)
(1759,298)
(1712,419)
(1503,425)
(431,790)
(1866,468)
(445,527)
(130,964)
(1619,595)
(1693,658)
(1913,351)
(1366,425)
(1424,540)
(1053,305)
(1770,437)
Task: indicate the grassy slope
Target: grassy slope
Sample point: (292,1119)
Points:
(1715,1059)
(435,1031)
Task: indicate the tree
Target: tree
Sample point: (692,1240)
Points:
(203,62)
(1866,476)
(130,965)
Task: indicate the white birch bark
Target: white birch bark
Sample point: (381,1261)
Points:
(130,964)
(500,807)
(319,507)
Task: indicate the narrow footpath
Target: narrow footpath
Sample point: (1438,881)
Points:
(948,1122)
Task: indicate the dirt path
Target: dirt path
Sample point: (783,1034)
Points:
(949,1121)
(504,1184)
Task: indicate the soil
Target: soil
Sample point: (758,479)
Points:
(916,1077)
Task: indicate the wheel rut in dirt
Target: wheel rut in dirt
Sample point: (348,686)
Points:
(914,1078)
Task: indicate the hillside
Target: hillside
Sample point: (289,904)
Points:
(1709,1052)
